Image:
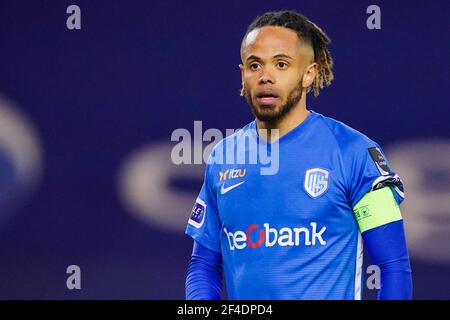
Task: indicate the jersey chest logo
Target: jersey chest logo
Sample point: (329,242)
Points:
(316,181)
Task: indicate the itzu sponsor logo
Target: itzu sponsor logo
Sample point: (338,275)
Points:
(269,237)
(231,174)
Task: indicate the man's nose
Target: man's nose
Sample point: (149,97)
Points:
(266,77)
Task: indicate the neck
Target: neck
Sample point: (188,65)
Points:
(297,115)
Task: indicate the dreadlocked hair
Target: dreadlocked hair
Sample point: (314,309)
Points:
(308,32)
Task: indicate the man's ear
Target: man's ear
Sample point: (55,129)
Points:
(241,67)
(309,75)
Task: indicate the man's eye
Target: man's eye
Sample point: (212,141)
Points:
(254,66)
(282,65)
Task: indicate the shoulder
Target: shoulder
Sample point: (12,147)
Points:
(348,139)
(229,143)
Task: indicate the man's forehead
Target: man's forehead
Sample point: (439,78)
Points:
(270,39)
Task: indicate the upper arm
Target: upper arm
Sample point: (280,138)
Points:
(204,223)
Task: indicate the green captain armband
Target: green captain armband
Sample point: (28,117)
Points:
(376,208)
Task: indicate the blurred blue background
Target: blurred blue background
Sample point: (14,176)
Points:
(86,118)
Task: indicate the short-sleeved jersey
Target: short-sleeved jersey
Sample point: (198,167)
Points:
(292,234)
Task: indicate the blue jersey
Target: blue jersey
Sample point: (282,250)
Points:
(292,234)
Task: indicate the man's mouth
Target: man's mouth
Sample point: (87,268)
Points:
(267,98)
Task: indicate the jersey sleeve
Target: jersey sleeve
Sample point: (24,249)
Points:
(204,224)
(368,170)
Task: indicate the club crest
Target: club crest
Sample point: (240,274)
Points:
(316,181)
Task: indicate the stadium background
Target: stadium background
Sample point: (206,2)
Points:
(86,118)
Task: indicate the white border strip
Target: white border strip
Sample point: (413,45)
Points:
(358,269)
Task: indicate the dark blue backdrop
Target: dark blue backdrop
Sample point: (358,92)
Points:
(136,71)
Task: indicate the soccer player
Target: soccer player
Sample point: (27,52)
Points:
(298,233)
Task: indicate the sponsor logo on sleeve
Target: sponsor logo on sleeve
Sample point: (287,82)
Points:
(197,217)
(379,160)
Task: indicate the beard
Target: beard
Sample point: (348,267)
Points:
(274,113)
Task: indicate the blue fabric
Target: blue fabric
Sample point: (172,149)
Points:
(386,246)
(204,274)
(292,234)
